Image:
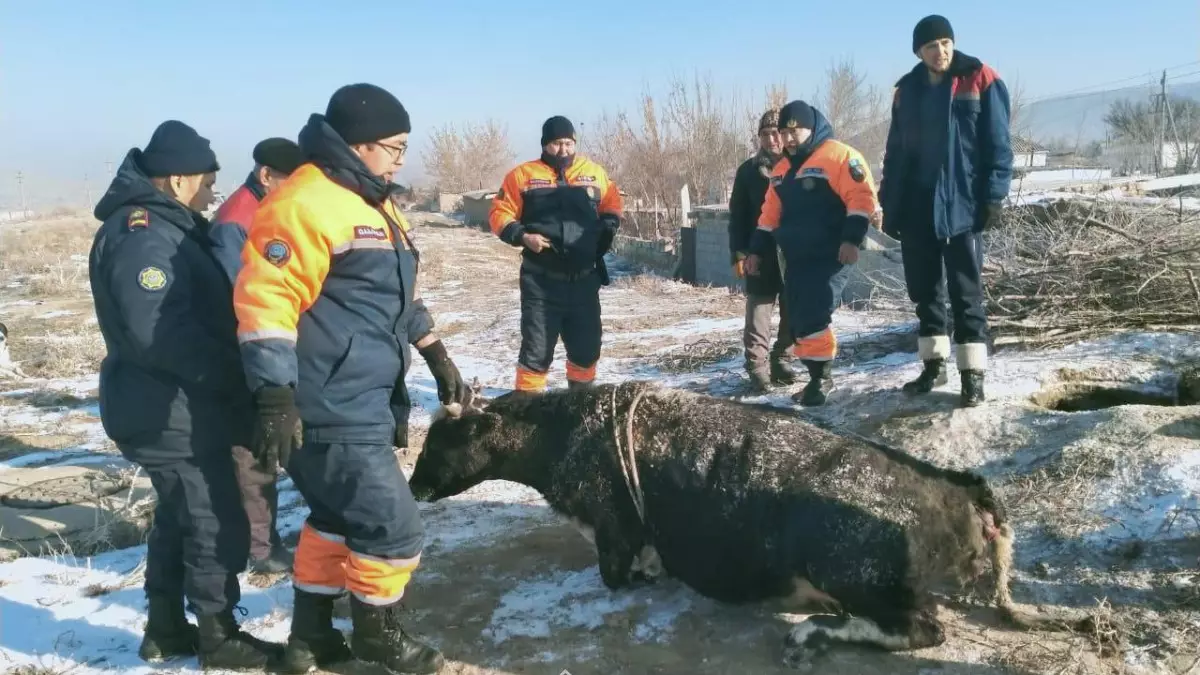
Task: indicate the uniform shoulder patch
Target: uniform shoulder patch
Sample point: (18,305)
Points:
(138,217)
(277,252)
(152,278)
(369,232)
(857,171)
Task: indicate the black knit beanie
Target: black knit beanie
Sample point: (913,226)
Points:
(557,127)
(280,154)
(175,149)
(364,113)
(932,27)
(797,115)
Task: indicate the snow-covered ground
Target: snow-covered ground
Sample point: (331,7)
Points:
(506,587)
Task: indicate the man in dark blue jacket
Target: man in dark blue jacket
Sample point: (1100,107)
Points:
(946,170)
(274,160)
(172,394)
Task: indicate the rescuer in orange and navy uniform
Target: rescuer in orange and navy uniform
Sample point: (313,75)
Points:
(327,309)
(564,211)
(818,208)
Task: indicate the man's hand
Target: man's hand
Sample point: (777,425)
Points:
(739,265)
(847,253)
(535,242)
(750,265)
(992,213)
(451,388)
(277,428)
(400,439)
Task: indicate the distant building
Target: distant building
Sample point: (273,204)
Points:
(1028,153)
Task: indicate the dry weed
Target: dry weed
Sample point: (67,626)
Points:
(697,355)
(49,257)
(60,350)
(1058,494)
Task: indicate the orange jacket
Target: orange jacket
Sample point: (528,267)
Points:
(326,302)
(577,210)
(816,203)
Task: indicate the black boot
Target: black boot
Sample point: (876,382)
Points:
(314,642)
(573,385)
(972,388)
(781,373)
(379,639)
(934,375)
(279,561)
(222,645)
(168,634)
(819,385)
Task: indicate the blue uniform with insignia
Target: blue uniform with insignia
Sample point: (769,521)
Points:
(172,394)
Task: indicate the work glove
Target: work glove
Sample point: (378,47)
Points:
(451,388)
(992,212)
(277,428)
(606,241)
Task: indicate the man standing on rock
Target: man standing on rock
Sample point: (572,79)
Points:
(564,211)
(274,160)
(947,168)
(745,205)
(817,209)
(172,394)
(327,310)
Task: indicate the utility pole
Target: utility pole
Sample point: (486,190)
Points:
(21,190)
(1162,124)
(87,189)
(108,168)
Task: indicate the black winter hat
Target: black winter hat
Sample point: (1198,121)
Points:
(280,154)
(932,27)
(364,113)
(175,149)
(557,127)
(797,114)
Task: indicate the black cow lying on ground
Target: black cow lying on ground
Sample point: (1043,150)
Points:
(743,503)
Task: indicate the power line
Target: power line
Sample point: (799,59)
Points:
(1084,91)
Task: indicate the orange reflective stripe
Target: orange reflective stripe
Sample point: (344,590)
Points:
(320,565)
(580,373)
(378,581)
(820,346)
(529,380)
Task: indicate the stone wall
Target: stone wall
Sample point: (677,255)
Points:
(713,264)
(661,257)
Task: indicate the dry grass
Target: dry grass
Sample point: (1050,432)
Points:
(696,355)
(49,258)
(62,347)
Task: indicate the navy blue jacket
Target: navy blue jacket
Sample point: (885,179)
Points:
(979,158)
(232,220)
(172,379)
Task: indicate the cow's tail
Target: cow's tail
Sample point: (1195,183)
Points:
(1002,555)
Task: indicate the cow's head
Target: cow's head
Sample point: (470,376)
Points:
(460,451)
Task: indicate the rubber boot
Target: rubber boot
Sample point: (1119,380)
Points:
(573,385)
(379,639)
(314,642)
(819,385)
(972,388)
(933,375)
(278,561)
(168,634)
(781,373)
(760,379)
(222,645)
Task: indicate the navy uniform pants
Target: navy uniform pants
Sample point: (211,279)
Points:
(200,538)
(554,306)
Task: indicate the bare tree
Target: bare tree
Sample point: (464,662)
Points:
(858,112)
(472,159)
(1016,105)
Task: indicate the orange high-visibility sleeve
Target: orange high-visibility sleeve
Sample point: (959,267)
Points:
(768,218)
(506,205)
(284,263)
(610,198)
(851,179)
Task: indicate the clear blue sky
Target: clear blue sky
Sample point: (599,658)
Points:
(84,81)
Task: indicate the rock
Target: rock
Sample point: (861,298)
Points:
(1188,390)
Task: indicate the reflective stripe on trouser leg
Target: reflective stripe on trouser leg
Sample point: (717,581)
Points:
(972,356)
(528,380)
(379,581)
(320,565)
(820,346)
(933,347)
(579,373)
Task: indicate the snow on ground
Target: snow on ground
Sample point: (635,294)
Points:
(520,587)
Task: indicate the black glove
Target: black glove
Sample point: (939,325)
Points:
(992,212)
(275,430)
(451,388)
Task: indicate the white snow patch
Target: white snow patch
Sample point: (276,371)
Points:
(55,314)
(559,601)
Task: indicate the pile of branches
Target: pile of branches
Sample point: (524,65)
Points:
(1078,268)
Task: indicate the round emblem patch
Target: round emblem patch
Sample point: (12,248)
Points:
(808,183)
(277,252)
(152,278)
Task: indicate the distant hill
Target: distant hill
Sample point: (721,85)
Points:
(1081,116)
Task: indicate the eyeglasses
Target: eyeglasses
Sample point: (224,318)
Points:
(397,151)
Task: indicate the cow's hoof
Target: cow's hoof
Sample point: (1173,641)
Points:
(802,658)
